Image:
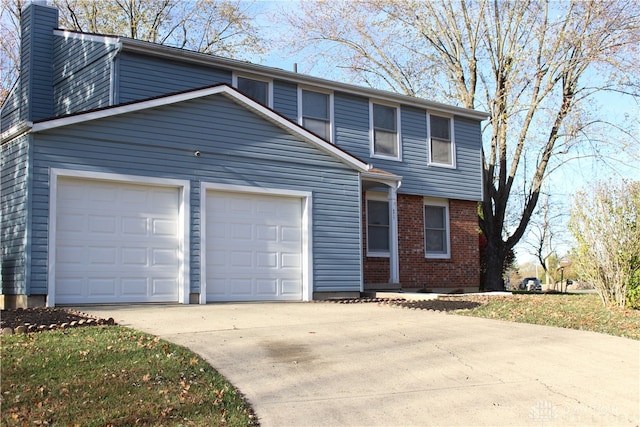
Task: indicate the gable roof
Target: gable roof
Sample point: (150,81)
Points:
(178,54)
(222,90)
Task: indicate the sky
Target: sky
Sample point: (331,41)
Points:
(576,175)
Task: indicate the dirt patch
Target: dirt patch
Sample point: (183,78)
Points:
(36,319)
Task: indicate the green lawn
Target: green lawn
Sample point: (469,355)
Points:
(575,311)
(112,376)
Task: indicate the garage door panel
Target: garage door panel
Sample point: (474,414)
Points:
(164,257)
(136,226)
(266,286)
(290,287)
(267,259)
(134,257)
(134,286)
(291,261)
(241,231)
(102,255)
(113,244)
(72,223)
(253,244)
(164,227)
(101,286)
(268,233)
(163,287)
(240,259)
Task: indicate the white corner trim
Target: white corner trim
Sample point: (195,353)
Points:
(184,222)
(307,230)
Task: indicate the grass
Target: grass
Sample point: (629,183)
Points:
(575,311)
(112,376)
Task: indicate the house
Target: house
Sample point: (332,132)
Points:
(136,172)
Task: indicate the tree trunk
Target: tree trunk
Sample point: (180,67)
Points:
(495,259)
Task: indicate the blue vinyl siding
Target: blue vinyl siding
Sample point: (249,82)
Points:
(81,75)
(14,216)
(351,115)
(141,77)
(285,99)
(237,147)
(418,177)
(11,113)
(44,20)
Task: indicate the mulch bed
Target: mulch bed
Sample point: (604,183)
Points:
(36,319)
(442,304)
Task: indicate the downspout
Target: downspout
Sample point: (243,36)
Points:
(114,96)
(394,261)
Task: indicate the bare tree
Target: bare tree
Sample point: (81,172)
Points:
(606,224)
(547,230)
(221,27)
(535,66)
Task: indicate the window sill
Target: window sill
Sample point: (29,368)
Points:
(378,255)
(442,165)
(440,257)
(383,157)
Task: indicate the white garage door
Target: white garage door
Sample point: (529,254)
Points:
(116,242)
(253,247)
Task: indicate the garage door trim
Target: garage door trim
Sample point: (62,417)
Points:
(183,219)
(307,221)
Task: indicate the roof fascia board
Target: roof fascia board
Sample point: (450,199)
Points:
(123,109)
(148,48)
(99,38)
(295,128)
(186,96)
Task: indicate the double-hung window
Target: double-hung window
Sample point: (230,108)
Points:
(441,145)
(436,228)
(258,90)
(315,112)
(385,136)
(377,226)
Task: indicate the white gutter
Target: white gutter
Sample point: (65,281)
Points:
(148,48)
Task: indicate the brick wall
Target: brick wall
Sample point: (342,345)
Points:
(416,271)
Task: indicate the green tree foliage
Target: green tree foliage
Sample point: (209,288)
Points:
(605,222)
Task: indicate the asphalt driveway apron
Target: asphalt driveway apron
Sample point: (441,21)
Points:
(324,364)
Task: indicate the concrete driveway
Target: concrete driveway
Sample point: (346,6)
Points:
(324,364)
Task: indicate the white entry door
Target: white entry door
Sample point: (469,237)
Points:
(116,242)
(253,247)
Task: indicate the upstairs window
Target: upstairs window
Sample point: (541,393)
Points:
(377,226)
(258,90)
(436,229)
(441,148)
(384,131)
(315,113)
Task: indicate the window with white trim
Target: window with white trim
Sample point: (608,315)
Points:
(377,225)
(315,112)
(385,136)
(256,89)
(441,144)
(436,229)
